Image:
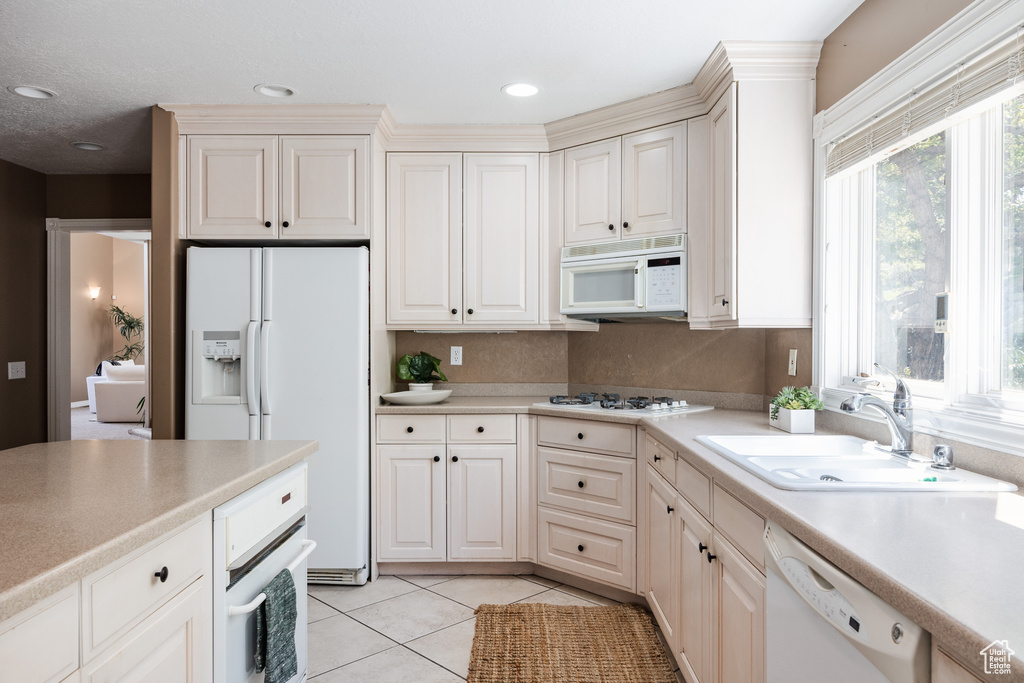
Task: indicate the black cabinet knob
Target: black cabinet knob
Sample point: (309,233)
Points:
(581,484)
(437,458)
(580,547)
(611,226)
(725,302)
(711,557)
(625,225)
(455,458)
(267,224)
(657,457)
(701,547)
(162,575)
(454,311)
(409,429)
(285,224)
(480,429)
(580,436)
(469,310)
(670,509)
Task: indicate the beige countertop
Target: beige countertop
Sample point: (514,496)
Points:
(72,507)
(952,562)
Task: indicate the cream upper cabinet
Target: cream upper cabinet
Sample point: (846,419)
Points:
(232,186)
(269,186)
(463,243)
(593,199)
(501,238)
(424,238)
(324,190)
(754,147)
(628,187)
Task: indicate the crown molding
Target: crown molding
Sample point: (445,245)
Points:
(386,127)
(276,119)
(667,106)
(99,224)
(467,138)
(738,60)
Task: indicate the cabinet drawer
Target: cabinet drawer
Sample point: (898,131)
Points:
(741,525)
(586,435)
(41,643)
(594,484)
(263,510)
(694,485)
(662,458)
(121,594)
(481,429)
(588,547)
(410,429)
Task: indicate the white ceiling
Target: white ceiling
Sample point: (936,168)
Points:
(430,61)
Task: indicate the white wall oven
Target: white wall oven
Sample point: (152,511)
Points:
(625,280)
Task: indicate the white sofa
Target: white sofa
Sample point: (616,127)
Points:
(90,381)
(118,396)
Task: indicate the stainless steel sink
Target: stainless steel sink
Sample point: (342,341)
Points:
(810,462)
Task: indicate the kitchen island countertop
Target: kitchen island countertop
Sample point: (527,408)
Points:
(69,508)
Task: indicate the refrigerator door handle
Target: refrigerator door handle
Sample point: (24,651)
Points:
(265,366)
(250,368)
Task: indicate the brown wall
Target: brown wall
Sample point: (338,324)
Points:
(519,357)
(98,196)
(23,304)
(91,331)
(875,34)
(777,344)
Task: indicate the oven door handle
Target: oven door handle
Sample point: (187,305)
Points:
(307,548)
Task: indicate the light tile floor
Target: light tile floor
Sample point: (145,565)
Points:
(416,628)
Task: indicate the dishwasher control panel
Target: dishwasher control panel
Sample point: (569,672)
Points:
(829,602)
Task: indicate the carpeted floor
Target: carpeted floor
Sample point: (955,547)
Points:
(84,426)
(533,643)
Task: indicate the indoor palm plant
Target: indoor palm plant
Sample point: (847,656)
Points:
(130,328)
(793,409)
(420,371)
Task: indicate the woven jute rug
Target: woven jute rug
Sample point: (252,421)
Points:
(538,643)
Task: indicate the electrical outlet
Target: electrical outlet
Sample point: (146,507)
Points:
(16,370)
(792,362)
(456,355)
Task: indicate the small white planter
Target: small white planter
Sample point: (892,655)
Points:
(793,421)
(417,386)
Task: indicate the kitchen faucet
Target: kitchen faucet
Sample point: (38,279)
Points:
(899,418)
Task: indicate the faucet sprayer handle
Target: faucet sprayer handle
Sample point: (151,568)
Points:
(902,392)
(866,381)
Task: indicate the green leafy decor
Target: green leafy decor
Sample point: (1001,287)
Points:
(130,328)
(421,369)
(792,398)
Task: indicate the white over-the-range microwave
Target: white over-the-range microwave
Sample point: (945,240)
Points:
(626,280)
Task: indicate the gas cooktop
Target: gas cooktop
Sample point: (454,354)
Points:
(643,405)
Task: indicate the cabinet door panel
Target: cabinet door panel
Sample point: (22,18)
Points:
(698,220)
(593,195)
(740,610)
(424,238)
(661,575)
(412,502)
(693,639)
(323,186)
(654,182)
(501,238)
(722,256)
(232,186)
(482,502)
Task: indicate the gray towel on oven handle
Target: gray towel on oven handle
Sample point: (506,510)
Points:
(275,630)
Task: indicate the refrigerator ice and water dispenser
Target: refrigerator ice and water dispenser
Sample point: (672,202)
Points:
(217,374)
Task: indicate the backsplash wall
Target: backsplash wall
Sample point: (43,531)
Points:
(519,357)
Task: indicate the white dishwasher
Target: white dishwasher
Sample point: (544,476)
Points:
(866,640)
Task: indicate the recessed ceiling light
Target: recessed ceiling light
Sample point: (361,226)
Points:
(520,89)
(88,146)
(33,91)
(274,90)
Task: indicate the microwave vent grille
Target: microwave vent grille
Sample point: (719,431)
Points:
(607,248)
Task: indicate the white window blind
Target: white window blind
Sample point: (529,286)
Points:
(968,84)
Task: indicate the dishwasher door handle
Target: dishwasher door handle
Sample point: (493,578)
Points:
(250,607)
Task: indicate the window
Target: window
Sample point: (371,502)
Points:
(1012,361)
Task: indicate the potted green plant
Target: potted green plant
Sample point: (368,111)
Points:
(420,370)
(792,410)
(130,328)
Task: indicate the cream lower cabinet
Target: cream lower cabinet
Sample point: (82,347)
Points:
(450,497)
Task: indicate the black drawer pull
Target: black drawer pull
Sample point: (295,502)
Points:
(711,557)
(162,575)
(580,547)
(725,302)
(409,429)
(581,484)
(437,458)
(580,436)
(670,509)
(657,457)
(701,547)
(480,430)
(455,458)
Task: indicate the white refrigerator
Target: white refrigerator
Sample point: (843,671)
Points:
(278,348)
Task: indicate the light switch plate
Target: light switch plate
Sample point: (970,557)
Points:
(456,355)
(792,362)
(16,370)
